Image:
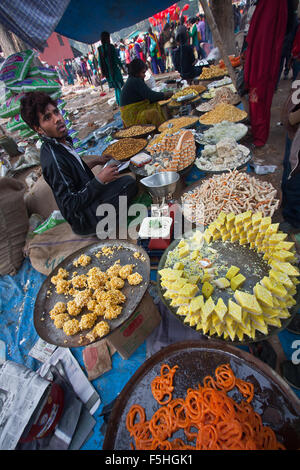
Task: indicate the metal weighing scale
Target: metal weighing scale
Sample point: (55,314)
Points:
(156,231)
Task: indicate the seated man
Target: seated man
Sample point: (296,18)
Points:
(184,59)
(77,191)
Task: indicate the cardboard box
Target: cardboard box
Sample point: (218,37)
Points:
(128,337)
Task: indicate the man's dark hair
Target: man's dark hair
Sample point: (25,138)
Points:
(105,37)
(32,103)
(135,67)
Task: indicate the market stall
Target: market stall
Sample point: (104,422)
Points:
(146,342)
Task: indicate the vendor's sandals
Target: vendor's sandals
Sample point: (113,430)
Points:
(291,373)
(265,352)
(294,325)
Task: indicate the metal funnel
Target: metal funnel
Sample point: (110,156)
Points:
(161,185)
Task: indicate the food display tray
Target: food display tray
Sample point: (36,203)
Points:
(254,269)
(47,296)
(273,399)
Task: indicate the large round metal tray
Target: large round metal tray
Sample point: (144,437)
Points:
(111,148)
(45,302)
(188,126)
(253,267)
(138,136)
(273,399)
(217,172)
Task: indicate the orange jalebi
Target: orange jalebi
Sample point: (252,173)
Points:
(207,416)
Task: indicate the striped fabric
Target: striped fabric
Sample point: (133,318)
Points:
(33,21)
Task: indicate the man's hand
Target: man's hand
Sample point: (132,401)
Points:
(104,159)
(108,174)
(168,94)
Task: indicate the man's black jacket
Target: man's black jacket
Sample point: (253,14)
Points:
(76,190)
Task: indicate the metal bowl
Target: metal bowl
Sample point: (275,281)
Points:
(161,184)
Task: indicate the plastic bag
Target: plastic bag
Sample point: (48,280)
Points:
(54,219)
(16,124)
(35,84)
(11,107)
(16,66)
(43,72)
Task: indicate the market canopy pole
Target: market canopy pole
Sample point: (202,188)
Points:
(219,43)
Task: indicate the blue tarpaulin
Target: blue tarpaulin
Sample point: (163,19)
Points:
(33,21)
(84,21)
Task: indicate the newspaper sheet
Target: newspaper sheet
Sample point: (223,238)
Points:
(21,390)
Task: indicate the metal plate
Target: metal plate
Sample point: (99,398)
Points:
(273,399)
(215,172)
(140,171)
(111,148)
(44,324)
(252,266)
(137,136)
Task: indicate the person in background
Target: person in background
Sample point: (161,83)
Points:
(155,53)
(261,80)
(184,59)
(236,18)
(139,104)
(295,54)
(84,71)
(291,30)
(168,41)
(137,51)
(290,184)
(201,28)
(122,55)
(181,29)
(61,74)
(208,33)
(111,65)
(195,42)
(127,56)
(201,51)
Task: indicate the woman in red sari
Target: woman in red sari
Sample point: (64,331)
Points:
(264,47)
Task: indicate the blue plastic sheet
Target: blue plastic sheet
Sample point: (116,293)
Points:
(17,298)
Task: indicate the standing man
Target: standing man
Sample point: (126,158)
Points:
(77,191)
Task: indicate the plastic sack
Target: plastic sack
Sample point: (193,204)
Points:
(28,132)
(76,142)
(5,94)
(11,107)
(55,219)
(56,95)
(43,72)
(72,133)
(16,124)
(60,103)
(16,66)
(35,84)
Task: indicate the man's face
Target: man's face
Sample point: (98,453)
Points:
(52,123)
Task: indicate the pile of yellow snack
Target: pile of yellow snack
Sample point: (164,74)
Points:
(91,297)
(213,71)
(245,312)
(223,112)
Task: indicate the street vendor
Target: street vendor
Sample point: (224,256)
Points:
(139,103)
(77,191)
(184,59)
